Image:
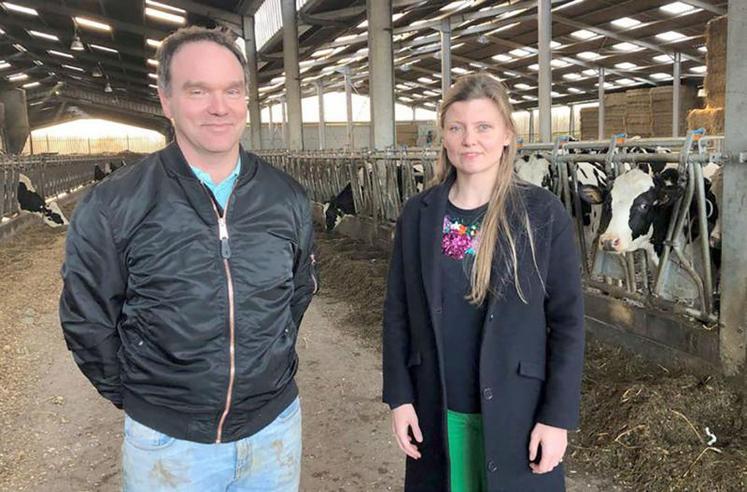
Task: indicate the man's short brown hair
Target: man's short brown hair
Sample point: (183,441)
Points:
(192,34)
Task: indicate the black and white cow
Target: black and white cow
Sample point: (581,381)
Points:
(102,171)
(535,169)
(638,208)
(30,201)
(337,207)
(343,204)
(717,189)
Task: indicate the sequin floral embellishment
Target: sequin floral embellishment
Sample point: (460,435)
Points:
(459,239)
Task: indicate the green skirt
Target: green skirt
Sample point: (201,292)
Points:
(466,452)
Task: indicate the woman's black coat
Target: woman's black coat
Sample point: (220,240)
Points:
(531,355)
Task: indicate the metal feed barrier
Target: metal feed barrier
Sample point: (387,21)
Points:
(50,175)
(684,283)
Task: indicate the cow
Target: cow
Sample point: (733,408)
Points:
(717,189)
(337,207)
(343,204)
(638,208)
(30,201)
(100,172)
(535,169)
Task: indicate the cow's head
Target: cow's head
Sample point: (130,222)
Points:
(534,169)
(716,193)
(332,214)
(637,206)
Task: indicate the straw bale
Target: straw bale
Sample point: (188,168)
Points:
(712,119)
(715,81)
(589,123)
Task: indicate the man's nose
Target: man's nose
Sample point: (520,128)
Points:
(217,104)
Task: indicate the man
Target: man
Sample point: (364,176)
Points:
(185,280)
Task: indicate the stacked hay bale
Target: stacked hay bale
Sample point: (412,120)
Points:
(407,134)
(589,123)
(614,113)
(661,108)
(638,114)
(712,117)
(715,81)
(614,117)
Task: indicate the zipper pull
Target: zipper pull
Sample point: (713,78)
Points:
(225,248)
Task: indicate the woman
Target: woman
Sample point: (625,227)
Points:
(483,323)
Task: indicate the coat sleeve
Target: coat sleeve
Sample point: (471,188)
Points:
(305,278)
(397,388)
(564,311)
(94,285)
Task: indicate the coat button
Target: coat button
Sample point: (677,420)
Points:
(492,467)
(438,309)
(491,317)
(487,393)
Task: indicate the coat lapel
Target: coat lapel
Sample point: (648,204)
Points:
(501,280)
(431,224)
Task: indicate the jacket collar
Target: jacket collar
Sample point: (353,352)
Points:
(196,194)
(176,164)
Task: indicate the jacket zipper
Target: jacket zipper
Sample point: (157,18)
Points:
(225,252)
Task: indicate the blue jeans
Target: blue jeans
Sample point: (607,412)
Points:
(268,461)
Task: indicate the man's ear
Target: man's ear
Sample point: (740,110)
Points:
(165,102)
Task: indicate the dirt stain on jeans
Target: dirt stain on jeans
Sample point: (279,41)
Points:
(165,475)
(287,460)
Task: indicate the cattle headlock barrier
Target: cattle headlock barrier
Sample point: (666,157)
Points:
(668,312)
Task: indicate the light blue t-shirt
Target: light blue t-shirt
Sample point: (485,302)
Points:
(222,190)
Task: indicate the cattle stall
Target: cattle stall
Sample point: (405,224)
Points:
(673,304)
(51,175)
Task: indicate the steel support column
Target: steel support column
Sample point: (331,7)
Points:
(284,122)
(292,75)
(349,108)
(733,319)
(571,119)
(381,73)
(600,126)
(255,114)
(676,80)
(270,129)
(531,126)
(322,124)
(445,55)
(544,22)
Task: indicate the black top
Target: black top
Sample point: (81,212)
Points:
(462,321)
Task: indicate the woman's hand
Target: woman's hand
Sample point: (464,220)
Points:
(553,441)
(403,419)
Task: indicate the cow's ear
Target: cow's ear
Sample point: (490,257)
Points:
(591,194)
(667,195)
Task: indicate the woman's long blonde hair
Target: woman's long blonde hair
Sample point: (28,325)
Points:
(496,225)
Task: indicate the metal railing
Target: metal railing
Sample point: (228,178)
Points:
(381,181)
(683,283)
(50,175)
